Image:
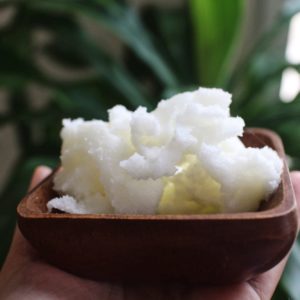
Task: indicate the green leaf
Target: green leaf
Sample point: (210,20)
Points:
(284,118)
(125,23)
(170,29)
(64,54)
(290,134)
(264,45)
(215,27)
(262,71)
(10,81)
(281,293)
(117,75)
(290,279)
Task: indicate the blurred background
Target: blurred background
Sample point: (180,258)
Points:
(77,58)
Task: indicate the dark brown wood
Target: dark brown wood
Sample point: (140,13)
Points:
(214,249)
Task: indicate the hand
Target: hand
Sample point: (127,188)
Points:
(26,276)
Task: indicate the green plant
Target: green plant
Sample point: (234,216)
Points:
(164,51)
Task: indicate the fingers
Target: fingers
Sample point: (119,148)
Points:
(266,283)
(39,174)
(295,178)
(20,250)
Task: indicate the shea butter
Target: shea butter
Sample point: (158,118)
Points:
(185,157)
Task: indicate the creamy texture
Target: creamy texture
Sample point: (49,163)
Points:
(183,157)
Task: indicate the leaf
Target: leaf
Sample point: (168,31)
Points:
(61,47)
(119,78)
(290,279)
(105,67)
(215,26)
(283,118)
(277,112)
(290,134)
(52,21)
(281,293)
(262,73)
(171,31)
(14,69)
(12,81)
(264,45)
(86,103)
(124,22)
(65,54)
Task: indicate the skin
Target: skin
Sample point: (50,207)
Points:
(26,276)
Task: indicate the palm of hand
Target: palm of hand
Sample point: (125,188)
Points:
(26,276)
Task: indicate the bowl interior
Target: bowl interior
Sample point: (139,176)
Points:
(34,205)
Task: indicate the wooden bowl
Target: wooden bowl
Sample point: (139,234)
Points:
(214,249)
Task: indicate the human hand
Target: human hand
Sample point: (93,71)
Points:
(26,276)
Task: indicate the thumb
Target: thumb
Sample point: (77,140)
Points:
(20,250)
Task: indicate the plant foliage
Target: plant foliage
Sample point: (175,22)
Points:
(163,51)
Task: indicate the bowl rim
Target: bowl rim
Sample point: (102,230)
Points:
(286,206)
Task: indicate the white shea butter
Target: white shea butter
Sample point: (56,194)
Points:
(184,157)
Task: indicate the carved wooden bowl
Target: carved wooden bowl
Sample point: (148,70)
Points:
(217,248)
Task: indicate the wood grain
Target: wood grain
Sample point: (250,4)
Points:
(214,249)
